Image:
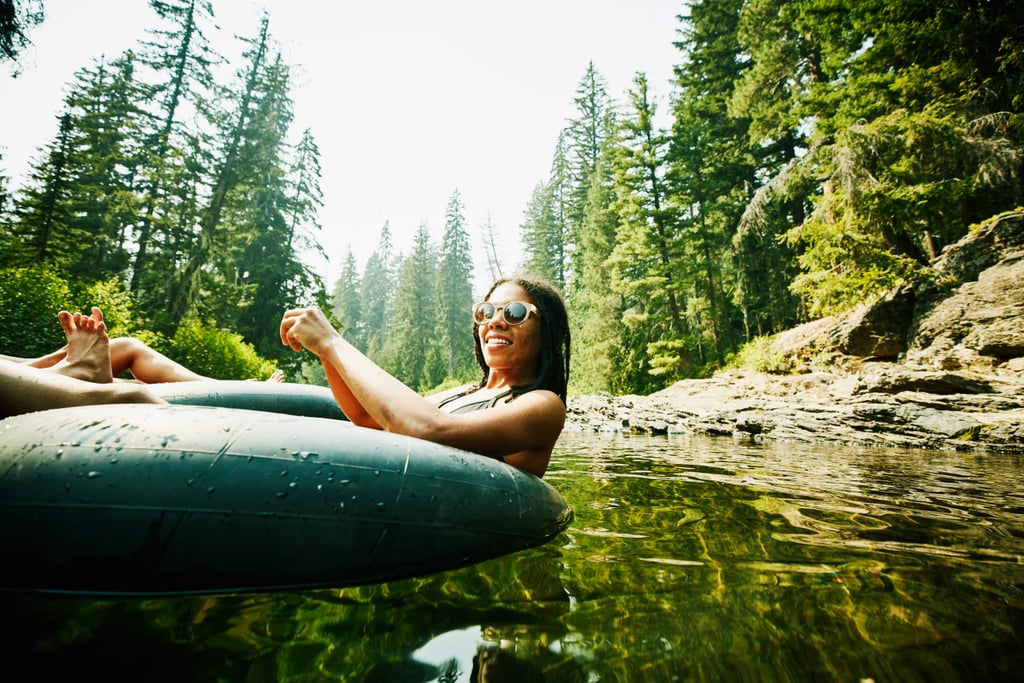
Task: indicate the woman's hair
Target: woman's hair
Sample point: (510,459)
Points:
(554,336)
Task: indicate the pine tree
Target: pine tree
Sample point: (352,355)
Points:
(542,234)
(711,175)
(585,138)
(107,157)
(180,62)
(489,241)
(41,210)
(377,296)
(906,109)
(545,231)
(77,211)
(16,18)
(346,303)
(648,256)
(597,305)
(260,220)
(415,353)
(188,284)
(455,291)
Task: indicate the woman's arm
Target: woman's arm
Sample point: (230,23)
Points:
(522,431)
(348,403)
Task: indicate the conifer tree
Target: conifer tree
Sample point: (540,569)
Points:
(107,157)
(179,61)
(489,243)
(711,175)
(585,138)
(545,231)
(188,283)
(261,214)
(543,236)
(597,303)
(41,210)
(377,295)
(648,255)
(346,303)
(455,291)
(17,17)
(414,353)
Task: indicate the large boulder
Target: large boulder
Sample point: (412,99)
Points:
(973,317)
(879,329)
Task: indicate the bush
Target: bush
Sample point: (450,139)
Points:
(217,353)
(113,298)
(760,355)
(30,299)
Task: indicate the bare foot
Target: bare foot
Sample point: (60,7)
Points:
(88,350)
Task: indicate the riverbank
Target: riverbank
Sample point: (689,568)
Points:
(939,365)
(886,405)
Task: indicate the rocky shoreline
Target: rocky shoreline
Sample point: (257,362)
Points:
(940,365)
(887,406)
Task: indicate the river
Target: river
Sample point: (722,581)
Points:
(690,559)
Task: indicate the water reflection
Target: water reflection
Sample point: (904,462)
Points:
(690,559)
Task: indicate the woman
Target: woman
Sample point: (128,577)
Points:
(515,413)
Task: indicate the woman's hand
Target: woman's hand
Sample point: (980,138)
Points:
(307,327)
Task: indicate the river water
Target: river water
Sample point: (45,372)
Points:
(690,559)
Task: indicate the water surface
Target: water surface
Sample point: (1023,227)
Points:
(689,559)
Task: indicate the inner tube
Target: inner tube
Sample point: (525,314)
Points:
(276,397)
(179,500)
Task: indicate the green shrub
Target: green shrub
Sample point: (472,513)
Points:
(760,355)
(217,353)
(30,299)
(113,298)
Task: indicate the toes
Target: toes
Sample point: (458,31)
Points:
(66,321)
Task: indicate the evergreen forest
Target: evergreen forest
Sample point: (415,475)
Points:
(816,155)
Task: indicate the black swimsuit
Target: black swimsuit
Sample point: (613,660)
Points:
(476,405)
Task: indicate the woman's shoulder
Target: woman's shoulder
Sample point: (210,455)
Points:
(542,400)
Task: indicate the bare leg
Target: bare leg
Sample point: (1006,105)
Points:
(47,361)
(147,364)
(88,349)
(126,354)
(24,389)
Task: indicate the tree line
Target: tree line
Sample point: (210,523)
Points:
(818,153)
(179,187)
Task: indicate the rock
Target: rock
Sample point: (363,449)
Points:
(904,379)
(890,405)
(878,329)
(972,315)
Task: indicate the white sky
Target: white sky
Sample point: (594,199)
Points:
(408,100)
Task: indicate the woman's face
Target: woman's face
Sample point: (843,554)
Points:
(511,346)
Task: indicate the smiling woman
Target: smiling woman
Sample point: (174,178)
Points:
(515,413)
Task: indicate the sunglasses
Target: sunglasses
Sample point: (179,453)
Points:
(513,312)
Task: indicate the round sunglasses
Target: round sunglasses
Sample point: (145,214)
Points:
(512,312)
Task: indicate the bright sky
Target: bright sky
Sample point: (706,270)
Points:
(408,100)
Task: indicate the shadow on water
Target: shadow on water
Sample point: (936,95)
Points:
(690,559)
